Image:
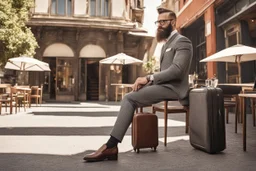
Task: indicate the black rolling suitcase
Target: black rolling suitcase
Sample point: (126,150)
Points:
(206,119)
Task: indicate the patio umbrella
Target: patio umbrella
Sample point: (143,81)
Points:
(237,53)
(120,58)
(24,63)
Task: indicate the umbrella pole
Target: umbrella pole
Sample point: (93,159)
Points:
(239,72)
(238,58)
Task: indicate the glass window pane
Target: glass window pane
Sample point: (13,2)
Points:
(93,8)
(232,67)
(98,8)
(232,40)
(61,7)
(106,8)
(102,8)
(65,78)
(139,5)
(69,8)
(53,10)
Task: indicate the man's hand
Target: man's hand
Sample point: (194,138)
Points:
(140,82)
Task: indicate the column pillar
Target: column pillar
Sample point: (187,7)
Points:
(120,42)
(210,34)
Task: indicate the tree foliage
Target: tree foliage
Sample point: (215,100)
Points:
(16,38)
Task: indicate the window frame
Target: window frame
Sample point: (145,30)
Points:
(99,10)
(65,8)
(201,68)
(233,29)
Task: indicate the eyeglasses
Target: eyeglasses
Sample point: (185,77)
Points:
(162,22)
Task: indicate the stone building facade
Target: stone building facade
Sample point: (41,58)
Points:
(74,35)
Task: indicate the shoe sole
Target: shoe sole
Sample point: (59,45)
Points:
(113,157)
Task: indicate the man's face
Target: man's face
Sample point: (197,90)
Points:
(164,26)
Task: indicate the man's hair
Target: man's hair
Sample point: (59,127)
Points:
(164,10)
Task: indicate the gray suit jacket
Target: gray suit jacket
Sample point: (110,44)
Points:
(175,61)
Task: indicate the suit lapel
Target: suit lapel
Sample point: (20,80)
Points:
(165,46)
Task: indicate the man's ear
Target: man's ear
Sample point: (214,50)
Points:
(173,22)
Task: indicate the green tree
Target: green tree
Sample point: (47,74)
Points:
(15,37)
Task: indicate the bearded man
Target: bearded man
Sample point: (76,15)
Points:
(170,83)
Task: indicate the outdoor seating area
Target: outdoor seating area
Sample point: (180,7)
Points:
(234,102)
(234,95)
(15,98)
(128,85)
(58,141)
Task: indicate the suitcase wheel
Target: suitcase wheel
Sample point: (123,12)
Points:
(137,150)
(153,148)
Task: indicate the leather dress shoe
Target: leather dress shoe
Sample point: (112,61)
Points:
(103,153)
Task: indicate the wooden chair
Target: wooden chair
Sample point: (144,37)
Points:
(253,106)
(252,103)
(10,100)
(23,96)
(36,94)
(171,107)
(41,93)
(231,99)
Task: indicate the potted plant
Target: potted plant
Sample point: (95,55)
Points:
(151,65)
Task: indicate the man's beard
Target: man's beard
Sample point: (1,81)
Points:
(163,33)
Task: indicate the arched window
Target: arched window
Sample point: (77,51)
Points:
(58,50)
(99,7)
(61,7)
(92,51)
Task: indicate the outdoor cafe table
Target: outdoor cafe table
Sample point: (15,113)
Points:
(26,91)
(4,86)
(244,96)
(123,86)
(243,85)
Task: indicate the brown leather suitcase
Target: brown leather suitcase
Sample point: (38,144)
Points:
(144,131)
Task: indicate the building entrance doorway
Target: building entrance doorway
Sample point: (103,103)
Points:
(59,83)
(89,78)
(92,79)
(50,79)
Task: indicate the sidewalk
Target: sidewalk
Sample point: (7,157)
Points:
(57,136)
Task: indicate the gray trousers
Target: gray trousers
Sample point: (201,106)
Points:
(146,96)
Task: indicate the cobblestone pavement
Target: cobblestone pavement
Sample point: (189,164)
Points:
(56,137)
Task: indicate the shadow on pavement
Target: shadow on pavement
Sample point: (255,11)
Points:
(85,114)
